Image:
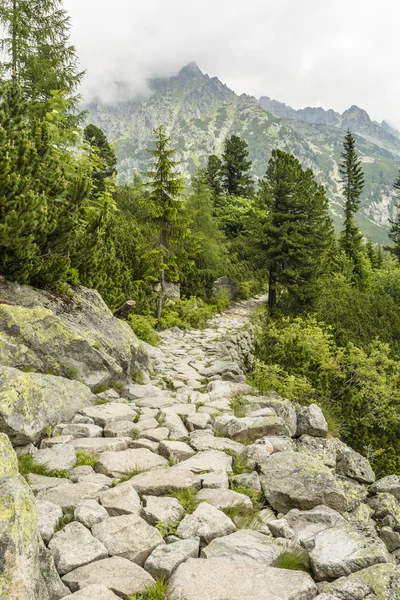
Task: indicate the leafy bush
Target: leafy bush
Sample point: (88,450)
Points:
(143,327)
(221,300)
(239,405)
(186,314)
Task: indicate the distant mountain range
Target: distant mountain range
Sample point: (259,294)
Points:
(199,112)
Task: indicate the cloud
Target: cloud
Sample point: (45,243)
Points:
(313,52)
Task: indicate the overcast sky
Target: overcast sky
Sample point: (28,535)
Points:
(330,53)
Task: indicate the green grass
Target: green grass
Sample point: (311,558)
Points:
(244,518)
(137,377)
(27,464)
(187,498)
(156,592)
(84,458)
(66,519)
(239,405)
(254,496)
(129,474)
(101,388)
(117,386)
(293,560)
(101,401)
(167,528)
(135,433)
(336,424)
(239,466)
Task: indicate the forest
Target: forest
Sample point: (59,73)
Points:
(330,332)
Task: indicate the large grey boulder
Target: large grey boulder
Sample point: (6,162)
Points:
(89,513)
(389,485)
(99,592)
(19,547)
(292,480)
(72,495)
(162,509)
(244,546)
(74,546)
(346,549)
(208,461)
(283,408)
(221,579)
(306,524)
(109,413)
(31,402)
(60,457)
(121,500)
(173,422)
(73,335)
(354,465)
(161,482)
(120,575)
(164,560)
(379,582)
(205,440)
(251,428)
(128,536)
(54,586)
(116,464)
(207,523)
(48,516)
(177,451)
(311,421)
(97,446)
(221,498)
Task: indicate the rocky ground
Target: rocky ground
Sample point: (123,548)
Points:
(193,477)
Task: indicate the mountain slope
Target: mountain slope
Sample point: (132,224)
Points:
(200,112)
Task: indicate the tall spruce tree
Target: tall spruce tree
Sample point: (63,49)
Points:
(38,54)
(236,178)
(107,163)
(298,232)
(167,215)
(353,185)
(395,225)
(214,177)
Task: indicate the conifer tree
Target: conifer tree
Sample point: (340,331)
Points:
(167,215)
(395,225)
(38,54)
(235,168)
(214,177)
(107,167)
(353,185)
(298,232)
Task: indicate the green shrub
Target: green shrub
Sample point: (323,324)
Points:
(84,458)
(167,528)
(221,300)
(254,496)
(293,560)
(137,377)
(239,466)
(186,314)
(143,327)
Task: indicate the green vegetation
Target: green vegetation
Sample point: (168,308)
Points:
(129,474)
(84,458)
(143,326)
(27,464)
(187,498)
(167,528)
(156,592)
(294,560)
(66,519)
(238,405)
(244,517)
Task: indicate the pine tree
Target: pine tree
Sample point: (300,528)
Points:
(38,54)
(395,225)
(353,185)
(168,217)
(235,168)
(214,177)
(107,160)
(298,232)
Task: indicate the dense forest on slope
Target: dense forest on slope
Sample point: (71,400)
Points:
(200,113)
(253,213)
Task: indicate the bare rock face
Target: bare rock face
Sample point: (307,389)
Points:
(73,335)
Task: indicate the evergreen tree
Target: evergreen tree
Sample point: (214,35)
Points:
(353,185)
(214,177)
(168,217)
(298,232)
(107,167)
(395,225)
(38,54)
(235,169)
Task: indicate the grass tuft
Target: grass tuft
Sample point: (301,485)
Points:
(244,518)
(129,474)
(156,592)
(239,405)
(293,560)
(84,458)
(66,519)
(167,528)
(187,498)
(27,464)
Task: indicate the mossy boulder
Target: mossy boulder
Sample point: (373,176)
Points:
(30,402)
(71,335)
(381,582)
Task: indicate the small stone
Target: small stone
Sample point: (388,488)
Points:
(311,421)
(222,499)
(257,455)
(163,561)
(216,480)
(162,509)
(391,538)
(60,457)
(120,429)
(89,513)
(82,419)
(177,451)
(280,529)
(99,592)
(48,515)
(116,464)
(354,465)
(97,446)
(74,546)
(106,413)
(389,485)
(145,443)
(121,500)
(128,536)
(156,435)
(207,523)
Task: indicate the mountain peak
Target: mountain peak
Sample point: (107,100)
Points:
(190,70)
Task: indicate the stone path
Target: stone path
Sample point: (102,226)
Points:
(193,477)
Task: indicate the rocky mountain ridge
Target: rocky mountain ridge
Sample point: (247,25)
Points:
(189,475)
(199,112)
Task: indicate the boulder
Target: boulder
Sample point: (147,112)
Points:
(74,547)
(173,422)
(292,480)
(163,481)
(100,592)
(164,560)
(215,480)
(311,421)
(306,524)
(116,464)
(41,483)
(48,516)
(31,402)
(119,575)
(211,460)
(251,428)
(79,430)
(205,440)
(136,391)
(244,546)
(72,495)
(61,457)
(318,448)
(97,446)
(89,513)
(283,408)
(256,455)
(222,499)
(345,549)
(19,548)
(207,523)
(74,335)
(379,582)
(177,451)
(385,504)
(128,536)
(157,434)
(354,465)
(221,579)
(121,500)
(48,573)
(388,485)
(104,414)
(198,421)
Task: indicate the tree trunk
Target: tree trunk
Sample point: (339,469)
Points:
(272,289)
